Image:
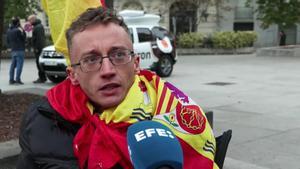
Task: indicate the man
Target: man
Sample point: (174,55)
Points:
(282,37)
(16,37)
(83,121)
(38,43)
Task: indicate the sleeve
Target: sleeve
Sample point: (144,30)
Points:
(26,159)
(7,39)
(45,143)
(33,39)
(22,35)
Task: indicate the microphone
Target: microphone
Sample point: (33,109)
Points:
(152,145)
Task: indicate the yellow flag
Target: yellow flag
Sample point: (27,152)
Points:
(61,14)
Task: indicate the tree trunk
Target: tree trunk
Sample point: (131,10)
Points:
(2,2)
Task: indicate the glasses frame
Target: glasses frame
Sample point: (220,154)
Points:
(130,53)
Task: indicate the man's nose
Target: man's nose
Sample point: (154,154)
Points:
(107,68)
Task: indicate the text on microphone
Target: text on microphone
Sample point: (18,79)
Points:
(141,135)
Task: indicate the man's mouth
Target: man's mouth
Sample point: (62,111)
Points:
(109,87)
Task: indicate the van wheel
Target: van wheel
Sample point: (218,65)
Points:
(164,66)
(56,79)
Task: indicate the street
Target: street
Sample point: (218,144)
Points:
(256,97)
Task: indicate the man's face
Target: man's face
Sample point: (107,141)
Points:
(108,86)
(31,19)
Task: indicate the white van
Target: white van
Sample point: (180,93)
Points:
(153,43)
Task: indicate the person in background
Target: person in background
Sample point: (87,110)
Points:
(282,37)
(38,43)
(16,38)
(83,121)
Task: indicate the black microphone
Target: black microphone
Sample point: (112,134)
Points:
(152,145)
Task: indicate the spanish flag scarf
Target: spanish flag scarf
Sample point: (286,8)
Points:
(101,140)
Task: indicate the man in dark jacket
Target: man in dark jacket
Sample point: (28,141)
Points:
(83,121)
(38,42)
(16,37)
(282,37)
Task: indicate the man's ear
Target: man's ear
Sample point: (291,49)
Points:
(137,64)
(72,75)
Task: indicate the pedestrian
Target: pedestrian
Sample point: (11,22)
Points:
(38,42)
(282,37)
(16,38)
(83,121)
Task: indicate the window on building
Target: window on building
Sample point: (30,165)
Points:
(243,26)
(183,18)
(132,5)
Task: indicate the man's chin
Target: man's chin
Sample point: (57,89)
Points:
(110,102)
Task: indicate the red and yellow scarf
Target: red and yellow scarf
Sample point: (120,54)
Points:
(101,141)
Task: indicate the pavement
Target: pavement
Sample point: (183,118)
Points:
(256,97)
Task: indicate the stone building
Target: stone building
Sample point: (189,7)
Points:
(207,16)
(177,16)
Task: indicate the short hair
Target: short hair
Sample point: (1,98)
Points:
(33,16)
(94,16)
(15,21)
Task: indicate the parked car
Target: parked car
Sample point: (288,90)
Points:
(54,64)
(153,43)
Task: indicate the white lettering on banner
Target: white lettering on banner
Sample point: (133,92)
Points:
(141,135)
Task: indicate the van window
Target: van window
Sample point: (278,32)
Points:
(144,34)
(131,34)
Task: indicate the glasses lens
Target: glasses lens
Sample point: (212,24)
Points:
(120,57)
(91,63)
(117,57)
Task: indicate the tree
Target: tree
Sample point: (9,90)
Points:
(284,13)
(2,2)
(20,8)
(187,15)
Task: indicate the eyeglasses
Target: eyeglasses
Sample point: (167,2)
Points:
(94,62)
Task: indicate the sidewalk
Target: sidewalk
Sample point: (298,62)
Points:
(256,97)
(11,148)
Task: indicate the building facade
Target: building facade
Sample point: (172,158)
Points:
(177,16)
(207,16)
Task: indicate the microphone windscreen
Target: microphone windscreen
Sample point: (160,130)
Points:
(152,145)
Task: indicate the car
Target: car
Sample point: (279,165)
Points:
(53,64)
(154,44)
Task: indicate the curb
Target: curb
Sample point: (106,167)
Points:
(9,148)
(214,51)
(12,148)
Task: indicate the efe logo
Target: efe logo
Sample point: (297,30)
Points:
(141,135)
